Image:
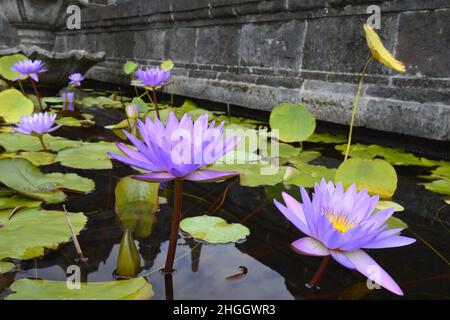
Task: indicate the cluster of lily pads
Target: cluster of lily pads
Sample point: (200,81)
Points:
(336,222)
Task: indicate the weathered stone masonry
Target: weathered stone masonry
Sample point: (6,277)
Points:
(258,53)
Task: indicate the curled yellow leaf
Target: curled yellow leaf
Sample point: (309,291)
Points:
(379,52)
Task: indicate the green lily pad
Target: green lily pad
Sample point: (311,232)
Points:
(136,203)
(394,156)
(7,62)
(307,175)
(141,104)
(167,65)
(377,176)
(389,204)
(36,158)
(18,202)
(53,100)
(14,105)
(22,176)
(13,142)
(100,101)
(213,230)
(88,156)
(132,289)
(6,267)
(29,232)
(254,174)
(129,67)
(396,223)
(304,157)
(317,137)
(294,122)
(73,122)
(439,186)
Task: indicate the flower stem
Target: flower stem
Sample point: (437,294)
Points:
(21,87)
(320,272)
(41,139)
(168,283)
(175,226)
(355,106)
(155,101)
(36,92)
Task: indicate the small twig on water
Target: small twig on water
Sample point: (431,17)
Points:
(74,236)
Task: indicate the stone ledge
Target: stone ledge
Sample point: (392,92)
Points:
(328,101)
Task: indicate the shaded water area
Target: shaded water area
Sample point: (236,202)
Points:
(275,271)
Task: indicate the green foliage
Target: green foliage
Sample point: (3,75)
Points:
(7,62)
(294,122)
(13,105)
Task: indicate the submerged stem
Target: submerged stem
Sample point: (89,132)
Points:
(41,139)
(355,106)
(155,101)
(320,272)
(36,92)
(175,226)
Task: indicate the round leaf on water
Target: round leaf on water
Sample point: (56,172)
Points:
(377,176)
(36,158)
(14,105)
(317,137)
(13,142)
(438,186)
(294,122)
(395,223)
(167,65)
(389,204)
(6,267)
(132,289)
(22,176)
(18,202)
(142,106)
(88,156)
(7,62)
(307,175)
(73,122)
(129,67)
(30,231)
(213,230)
(254,174)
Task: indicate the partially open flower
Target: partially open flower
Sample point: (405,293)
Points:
(340,224)
(38,123)
(178,149)
(76,79)
(29,68)
(151,77)
(132,111)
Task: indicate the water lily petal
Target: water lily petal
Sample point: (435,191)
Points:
(310,247)
(390,242)
(292,217)
(155,177)
(368,267)
(341,258)
(210,175)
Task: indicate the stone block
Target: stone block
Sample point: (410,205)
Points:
(218,45)
(179,44)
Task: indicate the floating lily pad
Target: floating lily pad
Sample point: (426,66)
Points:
(317,137)
(307,175)
(6,267)
(22,176)
(29,232)
(13,142)
(389,204)
(395,223)
(377,176)
(254,174)
(100,102)
(439,186)
(285,150)
(52,100)
(136,203)
(36,158)
(213,230)
(304,157)
(18,202)
(392,155)
(132,289)
(13,105)
(88,156)
(7,62)
(294,122)
(73,122)
(129,67)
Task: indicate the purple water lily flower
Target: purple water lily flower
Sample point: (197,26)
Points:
(68,101)
(29,68)
(75,79)
(151,77)
(178,149)
(38,123)
(340,224)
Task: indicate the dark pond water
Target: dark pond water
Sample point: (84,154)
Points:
(274,270)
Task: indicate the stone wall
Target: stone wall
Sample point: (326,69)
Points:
(257,53)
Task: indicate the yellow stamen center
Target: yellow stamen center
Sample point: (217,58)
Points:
(340,222)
